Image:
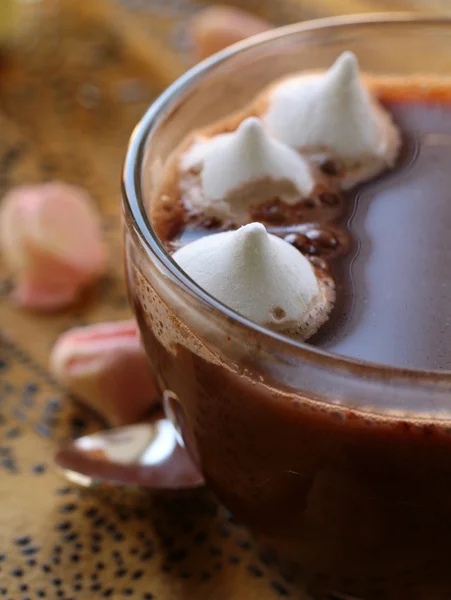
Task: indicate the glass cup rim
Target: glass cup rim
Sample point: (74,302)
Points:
(138,221)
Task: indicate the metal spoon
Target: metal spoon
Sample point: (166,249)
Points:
(146,455)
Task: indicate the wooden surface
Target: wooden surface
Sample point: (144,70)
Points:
(71,91)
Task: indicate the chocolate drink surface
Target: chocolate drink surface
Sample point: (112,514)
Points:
(393,306)
(388,248)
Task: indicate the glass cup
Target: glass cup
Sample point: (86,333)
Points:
(344,467)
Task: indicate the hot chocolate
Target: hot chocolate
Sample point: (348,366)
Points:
(354,497)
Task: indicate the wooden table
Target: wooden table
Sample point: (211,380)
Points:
(71,91)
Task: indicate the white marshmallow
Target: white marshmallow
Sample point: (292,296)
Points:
(248,155)
(260,276)
(334,112)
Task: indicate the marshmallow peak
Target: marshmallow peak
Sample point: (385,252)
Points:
(260,276)
(231,160)
(332,111)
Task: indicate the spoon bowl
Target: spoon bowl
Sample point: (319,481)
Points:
(145,455)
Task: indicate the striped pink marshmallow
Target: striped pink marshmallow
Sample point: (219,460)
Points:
(106,367)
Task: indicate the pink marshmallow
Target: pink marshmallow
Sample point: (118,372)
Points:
(51,238)
(106,367)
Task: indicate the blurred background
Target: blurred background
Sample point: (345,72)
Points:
(75,78)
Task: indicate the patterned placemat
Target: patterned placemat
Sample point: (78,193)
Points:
(71,91)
